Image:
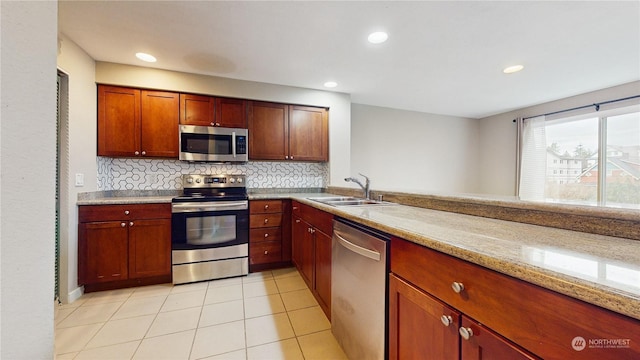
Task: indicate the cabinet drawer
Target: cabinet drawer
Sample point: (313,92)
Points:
(541,321)
(92,213)
(265,252)
(321,220)
(265,234)
(265,220)
(265,206)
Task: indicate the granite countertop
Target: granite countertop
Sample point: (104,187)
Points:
(601,270)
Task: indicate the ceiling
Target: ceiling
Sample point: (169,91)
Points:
(441,57)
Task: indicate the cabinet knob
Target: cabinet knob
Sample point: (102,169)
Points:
(457,287)
(131,223)
(266,207)
(295,208)
(446,320)
(266,221)
(466,333)
(286,157)
(123,224)
(213,124)
(266,236)
(266,252)
(297,221)
(291,157)
(126,212)
(137,152)
(144,153)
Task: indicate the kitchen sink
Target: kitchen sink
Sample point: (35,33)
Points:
(348,201)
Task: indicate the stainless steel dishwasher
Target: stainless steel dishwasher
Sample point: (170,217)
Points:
(359,273)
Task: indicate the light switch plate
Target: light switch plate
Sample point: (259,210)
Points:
(79,179)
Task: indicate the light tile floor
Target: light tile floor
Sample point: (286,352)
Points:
(266,315)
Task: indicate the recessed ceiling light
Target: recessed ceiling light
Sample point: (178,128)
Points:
(378,37)
(146,57)
(512,69)
(330,84)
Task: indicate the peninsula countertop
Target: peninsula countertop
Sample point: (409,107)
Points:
(601,270)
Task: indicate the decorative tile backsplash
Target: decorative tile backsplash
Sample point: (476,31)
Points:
(153,174)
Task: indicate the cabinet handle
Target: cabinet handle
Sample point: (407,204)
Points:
(466,333)
(446,320)
(266,207)
(131,223)
(123,224)
(100,276)
(297,221)
(266,221)
(126,212)
(115,274)
(266,236)
(136,153)
(266,252)
(458,287)
(144,153)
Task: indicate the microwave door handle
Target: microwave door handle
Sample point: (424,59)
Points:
(233,143)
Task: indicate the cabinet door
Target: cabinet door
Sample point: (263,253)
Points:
(485,344)
(416,329)
(197,110)
(118,121)
(268,128)
(323,270)
(103,248)
(308,134)
(149,248)
(159,129)
(303,249)
(231,113)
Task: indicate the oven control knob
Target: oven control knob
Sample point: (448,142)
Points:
(190,180)
(232,180)
(239,180)
(198,180)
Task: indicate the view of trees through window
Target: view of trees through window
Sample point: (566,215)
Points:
(573,157)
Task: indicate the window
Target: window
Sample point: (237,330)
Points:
(602,153)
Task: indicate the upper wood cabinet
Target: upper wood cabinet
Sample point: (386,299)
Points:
(134,122)
(287,132)
(212,111)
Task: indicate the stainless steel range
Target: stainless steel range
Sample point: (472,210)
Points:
(210,228)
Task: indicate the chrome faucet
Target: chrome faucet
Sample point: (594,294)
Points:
(364,187)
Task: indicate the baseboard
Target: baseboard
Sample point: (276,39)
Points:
(75,294)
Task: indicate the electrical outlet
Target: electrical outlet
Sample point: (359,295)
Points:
(79,179)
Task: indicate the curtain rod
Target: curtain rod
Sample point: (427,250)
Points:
(597,106)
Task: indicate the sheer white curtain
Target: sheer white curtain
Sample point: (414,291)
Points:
(533,159)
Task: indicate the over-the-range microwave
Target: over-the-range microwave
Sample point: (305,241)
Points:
(214,144)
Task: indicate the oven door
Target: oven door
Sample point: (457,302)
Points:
(204,225)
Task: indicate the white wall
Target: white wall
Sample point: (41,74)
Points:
(339,103)
(28,140)
(497,147)
(79,156)
(412,151)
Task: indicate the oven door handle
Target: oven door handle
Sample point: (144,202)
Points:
(209,206)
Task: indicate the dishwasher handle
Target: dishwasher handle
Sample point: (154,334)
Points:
(374,255)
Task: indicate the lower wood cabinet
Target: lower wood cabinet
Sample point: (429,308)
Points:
(422,327)
(434,297)
(269,239)
(311,231)
(123,245)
